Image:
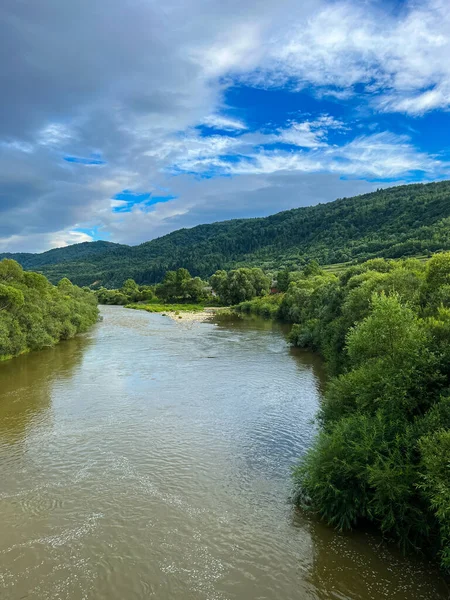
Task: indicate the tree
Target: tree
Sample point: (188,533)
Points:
(312,268)
(195,290)
(283,280)
(131,290)
(146,293)
(10,270)
(168,289)
(240,285)
(438,270)
(392,333)
(179,286)
(218,282)
(435,484)
(382,451)
(10,297)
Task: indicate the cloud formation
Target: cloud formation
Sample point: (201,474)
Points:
(395,52)
(101,99)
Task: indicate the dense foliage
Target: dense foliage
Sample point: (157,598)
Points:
(395,222)
(180,286)
(35,314)
(383,451)
(177,287)
(239,285)
(129,292)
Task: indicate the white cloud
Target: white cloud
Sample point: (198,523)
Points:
(310,134)
(55,134)
(42,242)
(401,59)
(376,156)
(237,49)
(191,152)
(184,152)
(224,123)
(416,104)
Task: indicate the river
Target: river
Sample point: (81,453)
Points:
(150,458)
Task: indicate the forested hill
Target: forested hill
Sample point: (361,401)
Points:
(61,255)
(400,221)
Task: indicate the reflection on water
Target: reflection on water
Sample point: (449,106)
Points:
(26,386)
(151,458)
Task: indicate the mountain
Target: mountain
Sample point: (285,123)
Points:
(399,221)
(62,255)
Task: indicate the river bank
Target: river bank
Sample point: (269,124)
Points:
(384,439)
(186,312)
(35,314)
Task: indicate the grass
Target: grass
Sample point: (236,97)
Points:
(338,268)
(164,308)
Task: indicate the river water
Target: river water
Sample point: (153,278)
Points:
(150,458)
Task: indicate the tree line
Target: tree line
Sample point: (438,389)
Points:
(383,452)
(224,288)
(35,314)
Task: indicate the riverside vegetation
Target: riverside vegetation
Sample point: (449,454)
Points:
(35,314)
(179,291)
(382,456)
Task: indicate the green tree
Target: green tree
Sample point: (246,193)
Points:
(435,485)
(10,297)
(312,268)
(34,313)
(195,290)
(179,286)
(283,280)
(130,289)
(240,285)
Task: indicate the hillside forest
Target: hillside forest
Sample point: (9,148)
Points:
(389,223)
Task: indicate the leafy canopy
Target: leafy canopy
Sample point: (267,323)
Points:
(34,313)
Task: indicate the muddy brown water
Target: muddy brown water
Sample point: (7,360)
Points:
(151,459)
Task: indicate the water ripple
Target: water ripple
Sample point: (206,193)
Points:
(150,459)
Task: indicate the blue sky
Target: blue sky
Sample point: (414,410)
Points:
(158,117)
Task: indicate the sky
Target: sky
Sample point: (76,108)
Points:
(127,120)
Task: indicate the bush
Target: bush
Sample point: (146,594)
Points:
(383,452)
